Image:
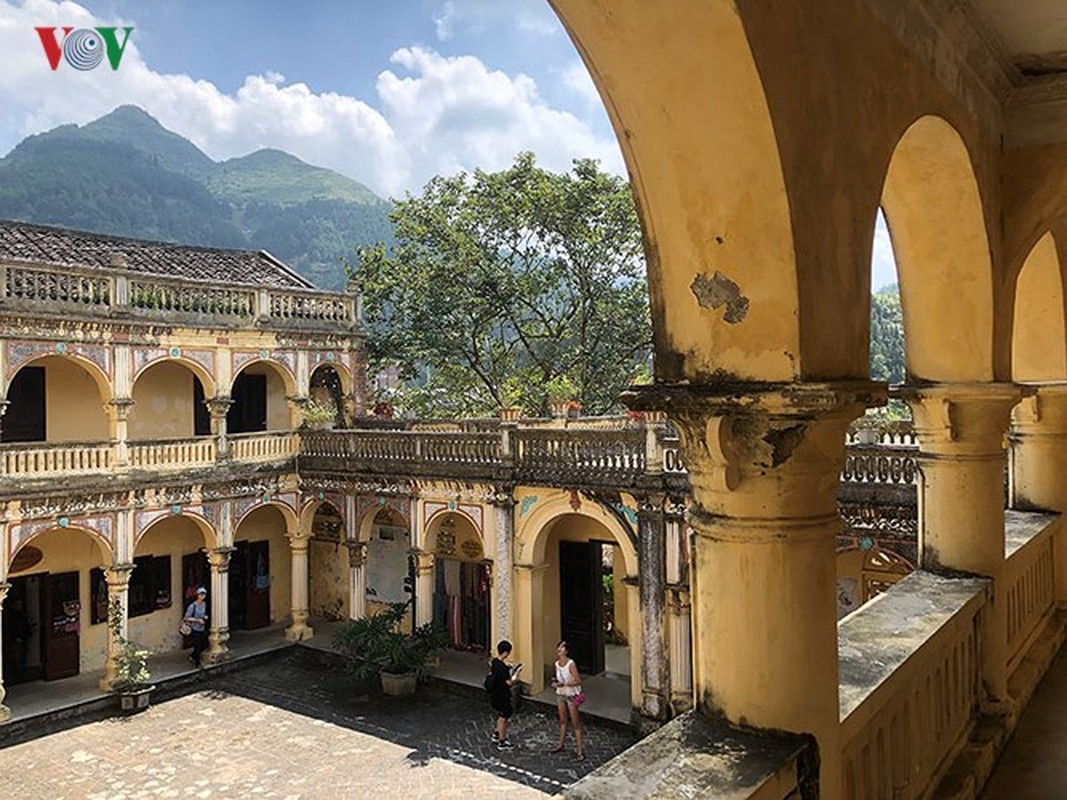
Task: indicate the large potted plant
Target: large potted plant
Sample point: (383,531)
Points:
(132,682)
(318,416)
(376,649)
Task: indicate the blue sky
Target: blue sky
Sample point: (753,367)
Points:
(389,92)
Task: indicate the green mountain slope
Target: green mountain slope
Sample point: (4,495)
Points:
(126,174)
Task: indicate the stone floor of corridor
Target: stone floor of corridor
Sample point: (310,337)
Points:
(291,727)
(1034,764)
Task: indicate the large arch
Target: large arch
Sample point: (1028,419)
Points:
(1039,333)
(164,400)
(207,380)
(935,216)
(71,414)
(711,197)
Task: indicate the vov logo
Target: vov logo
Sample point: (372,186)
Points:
(84,48)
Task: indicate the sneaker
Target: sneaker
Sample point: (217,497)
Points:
(504,744)
(494,736)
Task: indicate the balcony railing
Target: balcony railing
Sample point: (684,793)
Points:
(172,453)
(1029,580)
(48,460)
(256,447)
(118,292)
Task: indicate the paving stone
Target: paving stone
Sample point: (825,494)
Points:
(288,728)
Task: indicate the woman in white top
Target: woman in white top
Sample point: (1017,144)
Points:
(569,696)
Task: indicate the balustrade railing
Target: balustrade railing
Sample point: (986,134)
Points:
(909,685)
(41,461)
(1029,580)
(171,453)
(52,288)
(591,453)
(879,464)
(271,446)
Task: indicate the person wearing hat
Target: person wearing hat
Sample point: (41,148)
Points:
(196,619)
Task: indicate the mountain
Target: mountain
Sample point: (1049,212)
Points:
(127,175)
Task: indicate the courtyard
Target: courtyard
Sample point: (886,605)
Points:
(292,727)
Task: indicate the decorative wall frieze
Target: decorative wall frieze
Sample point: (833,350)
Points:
(22,351)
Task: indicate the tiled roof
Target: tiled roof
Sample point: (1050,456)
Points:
(58,246)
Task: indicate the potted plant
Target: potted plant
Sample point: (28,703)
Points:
(375,648)
(561,393)
(132,677)
(319,417)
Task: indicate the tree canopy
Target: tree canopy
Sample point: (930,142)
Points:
(503,287)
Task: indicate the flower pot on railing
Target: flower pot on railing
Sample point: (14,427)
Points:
(510,414)
(560,408)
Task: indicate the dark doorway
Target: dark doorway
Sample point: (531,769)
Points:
(461,603)
(581,600)
(250,585)
(195,573)
(62,622)
(248,414)
(24,420)
(22,630)
(201,414)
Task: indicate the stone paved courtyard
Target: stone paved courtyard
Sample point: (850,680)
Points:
(291,728)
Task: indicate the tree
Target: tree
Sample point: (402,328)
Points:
(499,283)
(887,336)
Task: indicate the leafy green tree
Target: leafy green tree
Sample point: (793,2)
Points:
(887,336)
(501,283)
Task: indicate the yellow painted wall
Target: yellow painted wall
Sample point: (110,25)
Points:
(74,551)
(267,523)
(176,537)
(73,405)
(328,571)
(622,609)
(162,403)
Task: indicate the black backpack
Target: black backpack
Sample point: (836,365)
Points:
(490,681)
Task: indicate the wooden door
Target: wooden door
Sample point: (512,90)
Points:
(24,420)
(61,642)
(248,414)
(257,570)
(581,600)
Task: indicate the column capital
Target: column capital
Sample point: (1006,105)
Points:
(651,505)
(743,442)
(119,406)
(219,557)
(357,552)
(1044,411)
(962,419)
(219,405)
(502,498)
(117,576)
(298,542)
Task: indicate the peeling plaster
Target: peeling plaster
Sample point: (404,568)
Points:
(717,291)
(784,441)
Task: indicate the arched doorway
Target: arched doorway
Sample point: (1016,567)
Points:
(56,399)
(168,403)
(54,623)
(328,564)
(388,574)
(258,396)
(259,573)
(462,577)
(327,390)
(863,574)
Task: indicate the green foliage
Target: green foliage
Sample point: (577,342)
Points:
(376,644)
(131,661)
(501,283)
(887,336)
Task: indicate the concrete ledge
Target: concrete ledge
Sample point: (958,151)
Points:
(694,756)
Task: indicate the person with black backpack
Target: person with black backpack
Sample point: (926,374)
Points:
(498,683)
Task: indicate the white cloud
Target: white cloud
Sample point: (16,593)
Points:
(477,16)
(432,113)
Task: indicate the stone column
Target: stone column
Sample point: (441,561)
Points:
(681,650)
(764,463)
(219,407)
(527,628)
(296,410)
(5,712)
(424,586)
(219,630)
(357,578)
(118,586)
(652,593)
(1039,449)
(118,413)
(504,517)
(298,556)
(961,429)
